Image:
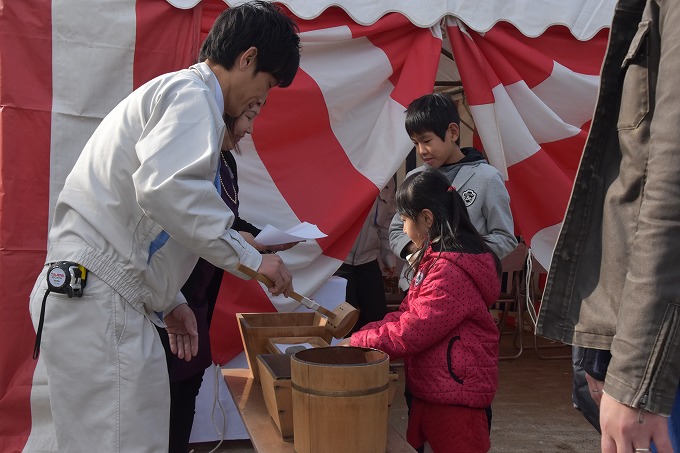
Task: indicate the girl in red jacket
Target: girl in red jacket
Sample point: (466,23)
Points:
(443,329)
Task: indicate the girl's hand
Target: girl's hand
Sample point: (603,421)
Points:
(343,342)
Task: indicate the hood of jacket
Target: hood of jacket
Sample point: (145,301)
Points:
(480,267)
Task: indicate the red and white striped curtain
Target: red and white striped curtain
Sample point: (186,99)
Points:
(532,100)
(320,151)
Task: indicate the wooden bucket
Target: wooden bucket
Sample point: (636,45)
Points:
(340,400)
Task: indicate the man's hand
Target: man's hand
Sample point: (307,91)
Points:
(595,387)
(182,332)
(625,428)
(273,268)
(389,271)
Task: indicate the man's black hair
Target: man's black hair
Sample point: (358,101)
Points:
(431,113)
(255,24)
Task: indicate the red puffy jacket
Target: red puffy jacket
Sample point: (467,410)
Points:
(444,331)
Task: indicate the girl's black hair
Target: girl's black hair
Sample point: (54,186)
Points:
(257,24)
(452,230)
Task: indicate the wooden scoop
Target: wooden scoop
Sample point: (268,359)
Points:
(339,321)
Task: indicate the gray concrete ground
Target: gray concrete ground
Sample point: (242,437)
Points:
(532,411)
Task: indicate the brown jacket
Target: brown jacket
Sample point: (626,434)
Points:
(614,281)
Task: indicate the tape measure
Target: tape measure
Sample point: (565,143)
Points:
(66,277)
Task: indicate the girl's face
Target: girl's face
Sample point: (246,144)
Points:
(416,229)
(242,126)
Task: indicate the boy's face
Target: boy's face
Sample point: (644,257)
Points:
(436,152)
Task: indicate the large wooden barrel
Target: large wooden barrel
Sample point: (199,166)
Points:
(340,400)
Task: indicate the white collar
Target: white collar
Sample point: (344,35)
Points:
(219,98)
(210,79)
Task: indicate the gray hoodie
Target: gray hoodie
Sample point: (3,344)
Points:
(486,198)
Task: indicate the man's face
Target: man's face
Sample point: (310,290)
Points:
(246,86)
(249,90)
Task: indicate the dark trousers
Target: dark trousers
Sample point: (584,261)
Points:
(182,404)
(365,291)
(182,408)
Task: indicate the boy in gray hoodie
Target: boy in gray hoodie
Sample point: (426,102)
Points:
(433,123)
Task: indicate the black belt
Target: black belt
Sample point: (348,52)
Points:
(64,277)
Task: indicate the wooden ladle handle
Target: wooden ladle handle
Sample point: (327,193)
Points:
(298,297)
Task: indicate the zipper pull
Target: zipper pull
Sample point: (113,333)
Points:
(641,408)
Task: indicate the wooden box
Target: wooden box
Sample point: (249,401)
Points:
(277,391)
(256,328)
(274,344)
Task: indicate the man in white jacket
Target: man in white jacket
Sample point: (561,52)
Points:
(139,207)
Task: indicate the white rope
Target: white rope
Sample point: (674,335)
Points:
(528,286)
(217,402)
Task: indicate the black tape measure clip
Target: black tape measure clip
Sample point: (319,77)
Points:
(66,277)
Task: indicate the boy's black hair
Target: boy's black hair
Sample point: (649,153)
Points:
(257,24)
(431,113)
(452,230)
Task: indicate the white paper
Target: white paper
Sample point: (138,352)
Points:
(282,347)
(273,236)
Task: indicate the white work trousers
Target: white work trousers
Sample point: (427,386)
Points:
(106,371)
